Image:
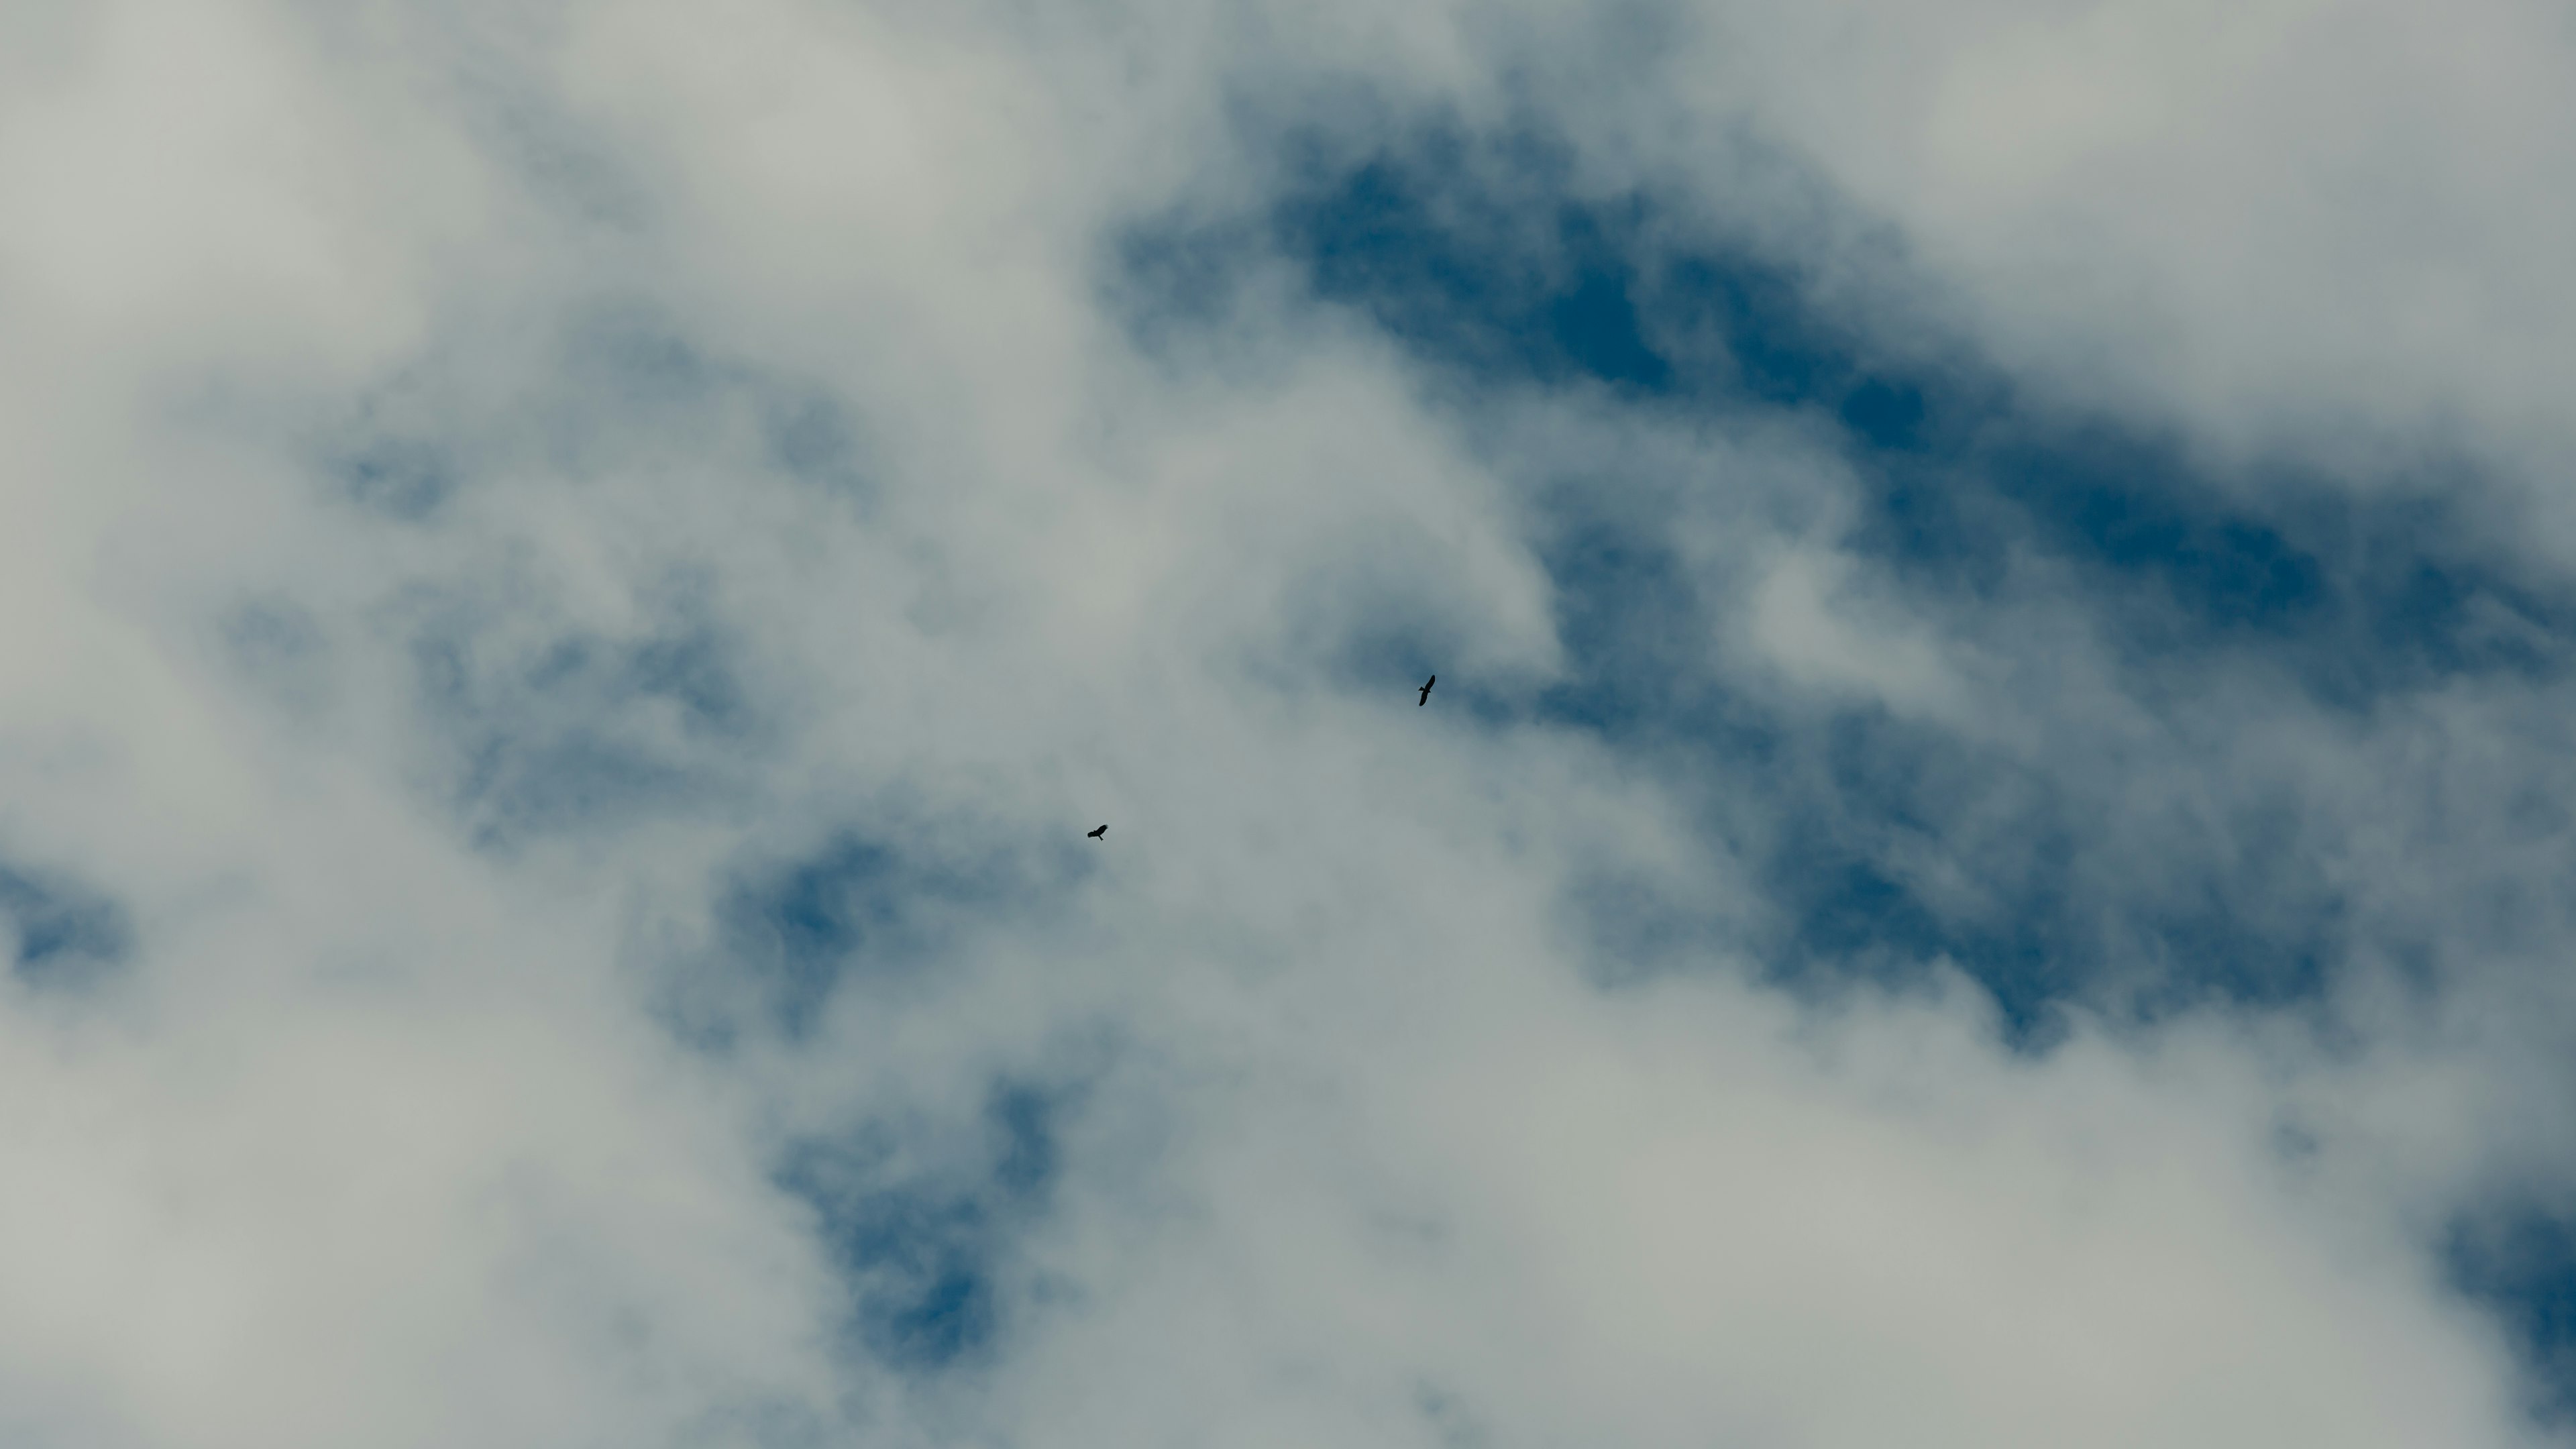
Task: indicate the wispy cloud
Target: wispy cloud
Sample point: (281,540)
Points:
(1987,865)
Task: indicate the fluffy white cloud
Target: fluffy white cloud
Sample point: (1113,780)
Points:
(2309,228)
(528,528)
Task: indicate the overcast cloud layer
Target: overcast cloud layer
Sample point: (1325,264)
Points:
(1988,865)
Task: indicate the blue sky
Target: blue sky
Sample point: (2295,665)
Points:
(1987,864)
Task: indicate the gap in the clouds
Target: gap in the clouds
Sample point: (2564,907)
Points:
(812,437)
(796,932)
(548,727)
(563,729)
(1485,281)
(1846,869)
(2521,1265)
(1903,847)
(862,910)
(278,648)
(923,1234)
(634,373)
(400,478)
(1481,257)
(65,933)
(1632,644)
(612,387)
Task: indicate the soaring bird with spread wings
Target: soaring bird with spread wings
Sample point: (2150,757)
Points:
(1426,691)
(1096,834)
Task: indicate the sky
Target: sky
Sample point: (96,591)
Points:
(1988,864)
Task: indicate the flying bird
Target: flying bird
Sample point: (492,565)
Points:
(1095,835)
(1426,691)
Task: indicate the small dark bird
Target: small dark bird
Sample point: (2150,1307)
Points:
(1426,691)
(1095,835)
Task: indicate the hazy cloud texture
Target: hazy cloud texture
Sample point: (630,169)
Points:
(1988,864)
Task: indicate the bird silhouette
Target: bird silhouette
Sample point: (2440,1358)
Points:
(1095,835)
(1426,691)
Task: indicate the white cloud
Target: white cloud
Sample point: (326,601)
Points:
(384,1133)
(2312,229)
(1821,641)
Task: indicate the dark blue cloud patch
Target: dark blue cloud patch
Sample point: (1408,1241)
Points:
(578,730)
(2350,599)
(1886,414)
(924,1235)
(278,648)
(1496,279)
(2166,563)
(405,479)
(1869,825)
(401,450)
(799,931)
(634,381)
(1752,333)
(557,158)
(1029,1157)
(1886,844)
(915,1260)
(626,384)
(2427,607)
(617,388)
(518,790)
(1595,321)
(1632,622)
(66,934)
(638,357)
(1847,905)
(1481,256)
(2520,1264)
(1175,283)
(872,909)
(2210,950)
(691,669)
(812,438)
(1899,845)
(1449,1421)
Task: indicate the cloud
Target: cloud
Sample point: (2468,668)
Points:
(2310,228)
(1984,868)
(1797,624)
